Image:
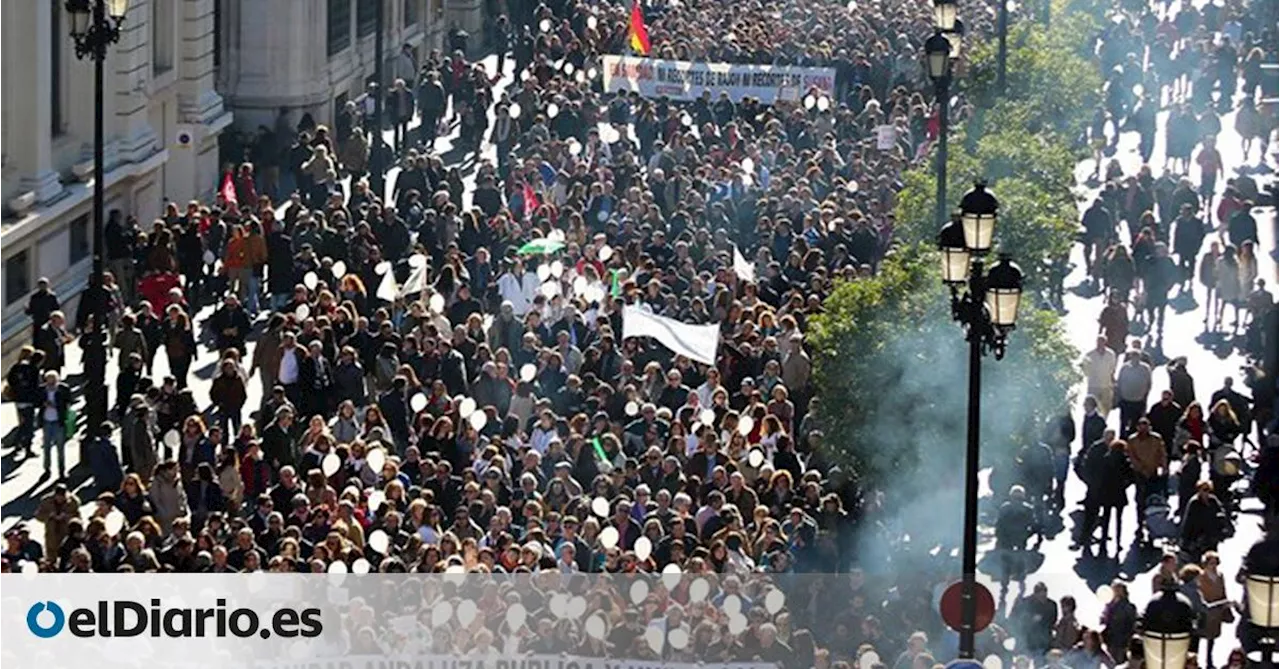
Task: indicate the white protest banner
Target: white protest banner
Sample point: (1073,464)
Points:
(696,342)
(886,137)
(495,661)
(745,270)
(416,284)
(684,80)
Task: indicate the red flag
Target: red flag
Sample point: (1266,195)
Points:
(530,200)
(228,189)
(639,34)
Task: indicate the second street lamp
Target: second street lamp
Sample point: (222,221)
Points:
(937,51)
(988,312)
(944,15)
(1262,590)
(1167,624)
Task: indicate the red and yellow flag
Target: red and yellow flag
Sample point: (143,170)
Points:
(639,34)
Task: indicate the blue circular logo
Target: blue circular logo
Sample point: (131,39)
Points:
(33,619)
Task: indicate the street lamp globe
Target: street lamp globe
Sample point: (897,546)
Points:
(978,213)
(116,9)
(955,255)
(81,14)
(1167,625)
(937,51)
(944,15)
(1004,291)
(1262,574)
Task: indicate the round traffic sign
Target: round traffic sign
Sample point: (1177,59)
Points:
(952,606)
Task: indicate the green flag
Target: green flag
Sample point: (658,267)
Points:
(595,443)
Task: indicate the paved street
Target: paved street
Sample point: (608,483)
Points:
(22,485)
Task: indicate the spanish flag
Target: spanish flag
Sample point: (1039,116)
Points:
(639,34)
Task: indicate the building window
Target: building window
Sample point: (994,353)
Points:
(339,25)
(17,277)
(410,13)
(162,38)
(366,17)
(55,72)
(81,243)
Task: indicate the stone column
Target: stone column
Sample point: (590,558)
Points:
(277,59)
(28,29)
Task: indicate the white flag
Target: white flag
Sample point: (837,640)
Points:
(416,284)
(696,342)
(745,270)
(387,288)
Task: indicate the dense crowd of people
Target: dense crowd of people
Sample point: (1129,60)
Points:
(445,384)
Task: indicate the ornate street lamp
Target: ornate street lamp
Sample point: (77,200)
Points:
(985,304)
(944,15)
(1167,624)
(95,25)
(1262,592)
(937,50)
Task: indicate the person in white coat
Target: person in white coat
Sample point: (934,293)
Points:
(519,287)
(1100,375)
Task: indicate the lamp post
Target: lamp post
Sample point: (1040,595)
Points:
(1167,624)
(1002,27)
(379,163)
(95,25)
(1262,590)
(937,51)
(988,311)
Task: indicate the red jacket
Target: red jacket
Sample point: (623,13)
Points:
(155,289)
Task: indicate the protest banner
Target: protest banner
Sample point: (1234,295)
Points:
(684,80)
(695,342)
(497,661)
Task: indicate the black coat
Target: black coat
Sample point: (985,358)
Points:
(41,305)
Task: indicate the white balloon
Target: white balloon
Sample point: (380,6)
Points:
(337,567)
(609,537)
(698,590)
(595,627)
(605,253)
(556,235)
(737,624)
(748,165)
(643,548)
(755,458)
(707,417)
(339,269)
(774,601)
(382,267)
(731,605)
(478,420)
(686,120)
(868,659)
(592,73)
(209,258)
(1010,643)
(559,605)
(654,637)
(993,662)
(544,25)
(575,147)
(1104,594)
(441,613)
(172,439)
(544,272)
(639,592)
(631,408)
(577,607)
(513,110)
(810,101)
(745,424)
(671,575)
(361,566)
(302,313)
(600,507)
(311,280)
(516,616)
(579,285)
(553,109)
(557,268)
(417,260)
(824,103)
(594,294)
(114,522)
(418,402)
(528,372)
(678,638)
(379,542)
(330,464)
(569,68)
(466,407)
(436,303)
(376,499)
(549,289)
(376,458)
(466,612)
(592,22)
